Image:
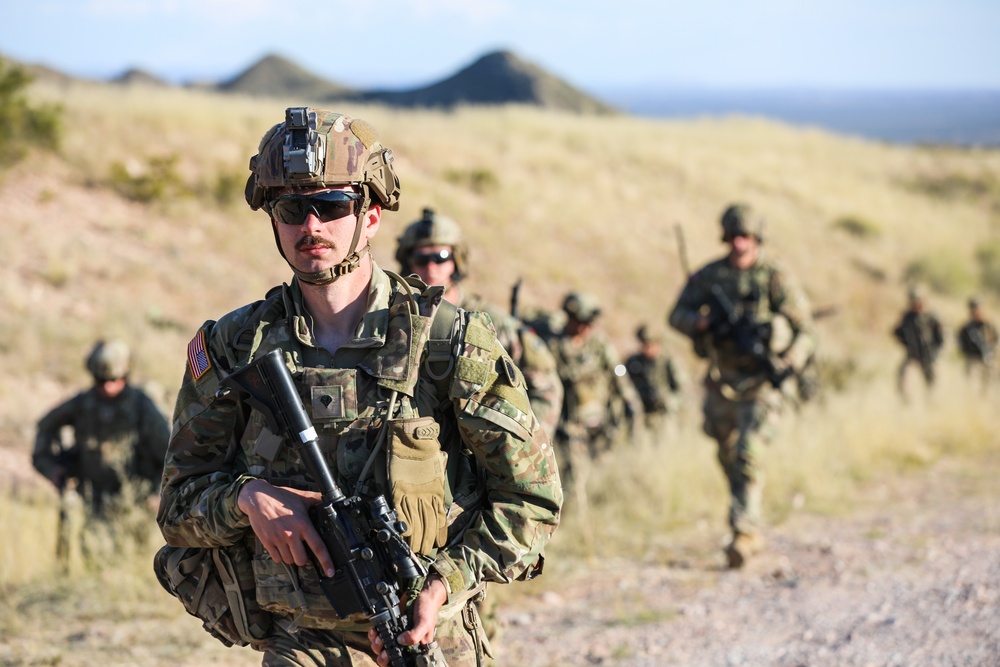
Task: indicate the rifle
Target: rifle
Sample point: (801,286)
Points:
(979,342)
(373,564)
(748,337)
(514,293)
(682,250)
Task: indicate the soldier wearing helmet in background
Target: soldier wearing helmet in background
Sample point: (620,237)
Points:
(977,339)
(434,249)
(657,379)
(920,334)
(599,402)
(119,435)
(728,308)
(445,432)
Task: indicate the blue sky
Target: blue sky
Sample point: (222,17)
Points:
(596,45)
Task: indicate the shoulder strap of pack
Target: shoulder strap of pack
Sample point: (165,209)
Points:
(439,359)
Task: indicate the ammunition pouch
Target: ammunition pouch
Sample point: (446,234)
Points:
(217,586)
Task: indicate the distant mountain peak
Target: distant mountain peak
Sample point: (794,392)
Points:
(139,77)
(278,76)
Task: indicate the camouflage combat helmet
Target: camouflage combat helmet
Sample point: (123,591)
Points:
(315,147)
(433,229)
(581,307)
(740,220)
(109,360)
(647,337)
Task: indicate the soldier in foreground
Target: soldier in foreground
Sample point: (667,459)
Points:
(440,426)
(434,249)
(119,435)
(727,308)
(977,339)
(657,379)
(919,332)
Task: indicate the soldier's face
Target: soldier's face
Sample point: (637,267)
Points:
(110,388)
(743,248)
(434,264)
(317,244)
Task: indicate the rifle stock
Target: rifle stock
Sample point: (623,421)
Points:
(373,563)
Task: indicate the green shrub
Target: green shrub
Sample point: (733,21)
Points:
(945,272)
(479,181)
(861,228)
(988,259)
(154,182)
(21,125)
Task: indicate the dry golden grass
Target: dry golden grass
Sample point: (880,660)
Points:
(565,202)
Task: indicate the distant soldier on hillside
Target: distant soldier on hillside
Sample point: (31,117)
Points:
(657,379)
(919,332)
(119,437)
(977,339)
(434,249)
(600,405)
(728,309)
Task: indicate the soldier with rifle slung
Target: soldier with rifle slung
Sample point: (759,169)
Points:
(727,308)
(977,339)
(919,332)
(407,398)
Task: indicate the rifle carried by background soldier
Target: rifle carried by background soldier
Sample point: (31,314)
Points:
(373,564)
(750,338)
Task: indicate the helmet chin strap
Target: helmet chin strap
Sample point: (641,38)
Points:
(346,265)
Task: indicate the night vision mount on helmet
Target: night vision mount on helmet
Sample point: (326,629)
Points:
(315,148)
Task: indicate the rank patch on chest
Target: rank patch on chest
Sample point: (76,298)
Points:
(328,402)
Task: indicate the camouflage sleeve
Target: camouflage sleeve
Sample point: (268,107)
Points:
(200,481)
(48,443)
(789,300)
(523,492)
(687,310)
(545,389)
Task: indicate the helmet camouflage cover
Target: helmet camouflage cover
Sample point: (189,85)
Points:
(109,360)
(315,147)
(740,220)
(432,229)
(581,307)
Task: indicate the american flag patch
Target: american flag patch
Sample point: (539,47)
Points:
(198,360)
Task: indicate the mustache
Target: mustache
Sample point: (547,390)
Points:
(313,241)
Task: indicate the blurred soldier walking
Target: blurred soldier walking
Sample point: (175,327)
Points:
(119,436)
(599,405)
(727,308)
(657,379)
(920,334)
(977,339)
(434,249)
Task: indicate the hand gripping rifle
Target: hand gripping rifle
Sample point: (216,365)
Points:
(373,564)
(748,338)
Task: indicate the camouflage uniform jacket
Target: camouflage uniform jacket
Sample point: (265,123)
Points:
(978,340)
(532,356)
(761,292)
(920,333)
(502,486)
(656,380)
(593,381)
(124,437)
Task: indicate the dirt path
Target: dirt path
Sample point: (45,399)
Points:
(913,579)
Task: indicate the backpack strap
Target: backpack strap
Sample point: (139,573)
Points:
(439,358)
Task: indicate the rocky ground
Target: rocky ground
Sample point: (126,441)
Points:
(911,579)
(911,576)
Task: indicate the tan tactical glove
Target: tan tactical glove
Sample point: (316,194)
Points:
(417,479)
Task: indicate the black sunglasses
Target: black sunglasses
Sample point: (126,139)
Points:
(292,209)
(425,258)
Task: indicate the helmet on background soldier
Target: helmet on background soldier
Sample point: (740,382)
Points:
(581,307)
(109,360)
(740,220)
(646,336)
(430,230)
(319,148)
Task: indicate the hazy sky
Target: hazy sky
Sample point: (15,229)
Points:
(715,43)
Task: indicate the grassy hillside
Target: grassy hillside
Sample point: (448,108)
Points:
(137,228)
